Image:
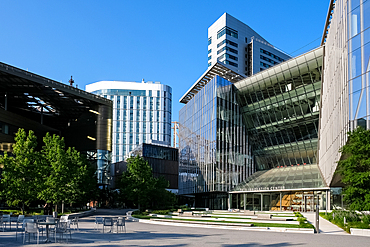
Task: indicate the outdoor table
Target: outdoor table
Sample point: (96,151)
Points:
(47,224)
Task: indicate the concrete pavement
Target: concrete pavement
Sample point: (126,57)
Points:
(139,234)
(325,226)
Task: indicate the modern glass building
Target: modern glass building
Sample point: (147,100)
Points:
(237,46)
(141,113)
(292,120)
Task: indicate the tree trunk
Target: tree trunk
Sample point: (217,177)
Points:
(62,207)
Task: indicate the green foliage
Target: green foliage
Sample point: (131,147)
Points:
(140,187)
(67,176)
(355,169)
(353,219)
(21,174)
(53,174)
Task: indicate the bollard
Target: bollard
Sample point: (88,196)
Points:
(317,219)
(344,218)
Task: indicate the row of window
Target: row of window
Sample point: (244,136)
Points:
(265,65)
(226,48)
(231,63)
(268,60)
(229,31)
(225,55)
(227,42)
(271,55)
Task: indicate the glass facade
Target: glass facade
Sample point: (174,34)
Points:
(214,150)
(281,112)
(131,126)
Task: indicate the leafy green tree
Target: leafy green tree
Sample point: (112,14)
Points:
(137,182)
(140,187)
(66,172)
(21,177)
(354,169)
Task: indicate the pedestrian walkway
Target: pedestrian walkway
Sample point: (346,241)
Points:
(325,226)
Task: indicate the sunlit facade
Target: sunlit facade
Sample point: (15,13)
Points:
(295,117)
(141,114)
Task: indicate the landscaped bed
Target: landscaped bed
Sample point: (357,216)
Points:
(353,219)
(229,220)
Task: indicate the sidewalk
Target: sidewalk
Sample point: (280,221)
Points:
(325,226)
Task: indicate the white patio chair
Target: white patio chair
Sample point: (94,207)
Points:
(121,223)
(6,219)
(74,222)
(62,228)
(98,221)
(108,222)
(2,222)
(31,227)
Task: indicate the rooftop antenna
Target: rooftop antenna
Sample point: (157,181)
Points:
(142,81)
(71,81)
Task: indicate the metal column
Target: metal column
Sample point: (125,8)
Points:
(261,202)
(245,201)
(281,202)
(229,202)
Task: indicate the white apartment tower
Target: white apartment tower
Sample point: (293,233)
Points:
(240,48)
(141,113)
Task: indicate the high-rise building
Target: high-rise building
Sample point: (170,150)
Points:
(141,113)
(240,48)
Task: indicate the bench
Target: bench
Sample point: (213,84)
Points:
(187,213)
(264,216)
(249,213)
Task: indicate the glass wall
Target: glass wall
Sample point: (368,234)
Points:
(281,109)
(214,151)
(358,62)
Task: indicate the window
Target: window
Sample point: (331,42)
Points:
(225,55)
(209,40)
(229,31)
(271,55)
(226,48)
(231,63)
(209,51)
(209,64)
(209,58)
(131,102)
(225,41)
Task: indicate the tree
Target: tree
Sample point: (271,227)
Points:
(21,174)
(355,169)
(140,187)
(66,176)
(137,182)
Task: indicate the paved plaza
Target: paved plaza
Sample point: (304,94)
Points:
(141,234)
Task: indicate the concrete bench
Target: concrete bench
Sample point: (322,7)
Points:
(249,213)
(187,213)
(264,216)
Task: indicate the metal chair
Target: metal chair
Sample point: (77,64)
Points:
(121,223)
(62,228)
(98,221)
(6,218)
(2,222)
(108,222)
(31,227)
(74,222)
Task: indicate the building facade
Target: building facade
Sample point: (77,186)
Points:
(240,48)
(33,102)
(141,113)
(296,116)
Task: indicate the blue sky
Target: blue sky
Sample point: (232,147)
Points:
(159,40)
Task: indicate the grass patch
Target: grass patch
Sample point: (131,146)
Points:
(254,223)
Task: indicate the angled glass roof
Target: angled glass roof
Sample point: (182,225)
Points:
(283,178)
